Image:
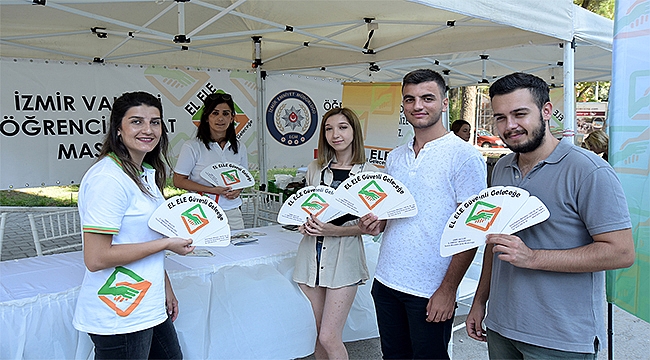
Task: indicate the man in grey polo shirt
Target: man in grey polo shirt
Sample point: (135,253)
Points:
(545,284)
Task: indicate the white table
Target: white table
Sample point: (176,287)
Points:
(240,303)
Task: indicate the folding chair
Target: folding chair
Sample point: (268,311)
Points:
(267,207)
(64,226)
(248,208)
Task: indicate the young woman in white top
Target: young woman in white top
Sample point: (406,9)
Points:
(216,141)
(126,302)
(331,261)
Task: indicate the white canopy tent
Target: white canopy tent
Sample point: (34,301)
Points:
(356,40)
(326,38)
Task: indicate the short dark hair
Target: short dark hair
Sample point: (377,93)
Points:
(425,75)
(515,81)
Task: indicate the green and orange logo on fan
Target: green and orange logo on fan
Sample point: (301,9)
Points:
(123,291)
(372,194)
(194,218)
(482,216)
(314,205)
(230,177)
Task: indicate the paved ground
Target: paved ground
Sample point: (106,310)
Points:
(631,340)
(18,242)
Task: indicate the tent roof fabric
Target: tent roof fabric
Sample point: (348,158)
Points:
(472,41)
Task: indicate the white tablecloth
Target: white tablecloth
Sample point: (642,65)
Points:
(238,304)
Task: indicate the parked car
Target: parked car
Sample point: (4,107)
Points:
(486,139)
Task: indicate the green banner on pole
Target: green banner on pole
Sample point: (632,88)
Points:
(629,148)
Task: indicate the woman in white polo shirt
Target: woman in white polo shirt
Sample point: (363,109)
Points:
(126,303)
(216,141)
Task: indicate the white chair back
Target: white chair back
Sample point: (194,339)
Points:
(267,207)
(59,225)
(248,208)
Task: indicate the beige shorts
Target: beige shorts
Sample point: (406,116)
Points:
(235,219)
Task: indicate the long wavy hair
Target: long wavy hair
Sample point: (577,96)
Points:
(157,157)
(325,150)
(203,132)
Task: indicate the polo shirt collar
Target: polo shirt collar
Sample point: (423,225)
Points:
(145,166)
(561,150)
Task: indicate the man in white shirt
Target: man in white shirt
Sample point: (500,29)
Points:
(415,288)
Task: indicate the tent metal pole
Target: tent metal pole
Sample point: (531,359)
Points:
(569,91)
(261,128)
(181,18)
(216,17)
(610,331)
(110,20)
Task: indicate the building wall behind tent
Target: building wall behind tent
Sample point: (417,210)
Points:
(55,114)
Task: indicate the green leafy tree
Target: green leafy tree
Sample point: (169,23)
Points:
(454,104)
(601,7)
(591,91)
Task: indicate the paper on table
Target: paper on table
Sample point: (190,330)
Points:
(228,174)
(310,200)
(496,210)
(192,216)
(375,192)
(200,253)
(220,237)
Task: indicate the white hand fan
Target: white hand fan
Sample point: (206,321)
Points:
(310,200)
(375,192)
(494,210)
(228,174)
(192,216)
(531,213)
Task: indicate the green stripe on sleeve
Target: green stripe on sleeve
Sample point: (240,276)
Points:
(100,230)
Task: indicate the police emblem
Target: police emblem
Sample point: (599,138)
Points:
(292,117)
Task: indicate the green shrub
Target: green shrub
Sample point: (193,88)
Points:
(67,195)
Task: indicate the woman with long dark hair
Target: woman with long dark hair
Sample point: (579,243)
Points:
(126,303)
(216,141)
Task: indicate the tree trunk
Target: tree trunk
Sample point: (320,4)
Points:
(468,105)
